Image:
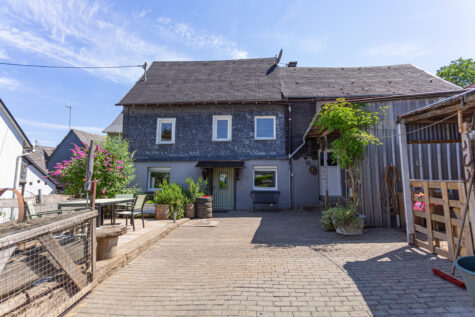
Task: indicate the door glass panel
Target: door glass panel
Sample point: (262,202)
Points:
(223,181)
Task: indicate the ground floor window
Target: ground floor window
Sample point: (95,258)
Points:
(156,175)
(265,177)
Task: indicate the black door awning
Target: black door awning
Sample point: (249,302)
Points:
(211,164)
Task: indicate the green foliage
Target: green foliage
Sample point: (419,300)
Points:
(460,72)
(327,222)
(171,194)
(113,169)
(195,189)
(340,216)
(352,122)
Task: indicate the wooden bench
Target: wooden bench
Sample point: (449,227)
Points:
(269,197)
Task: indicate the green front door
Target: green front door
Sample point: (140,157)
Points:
(223,188)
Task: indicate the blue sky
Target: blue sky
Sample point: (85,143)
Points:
(428,34)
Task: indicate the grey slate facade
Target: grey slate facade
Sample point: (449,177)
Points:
(194,133)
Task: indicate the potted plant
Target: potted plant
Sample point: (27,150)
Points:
(162,201)
(345,221)
(194,191)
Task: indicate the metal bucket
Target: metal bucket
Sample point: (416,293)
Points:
(466,265)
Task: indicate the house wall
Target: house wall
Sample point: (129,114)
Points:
(306,187)
(35,180)
(11,145)
(193,133)
(179,171)
(63,151)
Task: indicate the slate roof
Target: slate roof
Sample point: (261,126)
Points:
(302,82)
(207,81)
(86,137)
(260,80)
(116,125)
(38,159)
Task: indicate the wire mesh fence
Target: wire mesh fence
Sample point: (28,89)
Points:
(46,264)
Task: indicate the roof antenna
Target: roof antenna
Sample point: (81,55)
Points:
(277,59)
(144,66)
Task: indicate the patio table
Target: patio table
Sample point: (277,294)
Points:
(100,203)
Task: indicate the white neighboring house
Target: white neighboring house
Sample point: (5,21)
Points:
(20,166)
(33,178)
(13,143)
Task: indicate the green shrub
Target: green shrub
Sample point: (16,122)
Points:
(340,216)
(327,222)
(195,189)
(171,194)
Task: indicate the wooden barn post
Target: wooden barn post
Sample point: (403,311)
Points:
(406,188)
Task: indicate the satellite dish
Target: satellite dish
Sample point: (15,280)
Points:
(277,61)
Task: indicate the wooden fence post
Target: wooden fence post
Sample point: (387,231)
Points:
(406,188)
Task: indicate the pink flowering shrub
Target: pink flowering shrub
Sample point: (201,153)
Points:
(113,168)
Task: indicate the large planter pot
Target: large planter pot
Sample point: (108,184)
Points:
(352,230)
(162,212)
(204,207)
(190,211)
(466,265)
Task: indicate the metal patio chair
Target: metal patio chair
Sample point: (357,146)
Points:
(134,210)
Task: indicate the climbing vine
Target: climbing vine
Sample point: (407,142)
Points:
(352,122)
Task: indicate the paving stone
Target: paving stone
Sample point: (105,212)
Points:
(278,264)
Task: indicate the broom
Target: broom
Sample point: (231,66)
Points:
(450,277)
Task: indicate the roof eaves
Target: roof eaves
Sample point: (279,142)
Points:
(15,124)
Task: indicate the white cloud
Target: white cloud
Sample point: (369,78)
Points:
(197,38)
(398,50)
(9,83)
(85,33)
(54,126)
(3,54)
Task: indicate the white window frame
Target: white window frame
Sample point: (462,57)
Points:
(159,130)
(156,169)
(264,168)
(255,128)
(229,118)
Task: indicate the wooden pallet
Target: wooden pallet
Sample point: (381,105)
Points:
(438,226)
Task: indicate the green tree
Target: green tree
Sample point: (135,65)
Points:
(460,72)
(352,122)
(113,168)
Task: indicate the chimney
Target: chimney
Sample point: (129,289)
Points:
(292,64)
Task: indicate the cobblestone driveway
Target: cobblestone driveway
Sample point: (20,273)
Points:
(278,264)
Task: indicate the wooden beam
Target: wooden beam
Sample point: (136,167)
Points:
(468,152)
(67,264)
(401,128)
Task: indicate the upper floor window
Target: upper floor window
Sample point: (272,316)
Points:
(222,128)
(166,130)
(264,128)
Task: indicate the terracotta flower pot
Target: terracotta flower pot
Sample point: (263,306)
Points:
(162,212)
(190,211)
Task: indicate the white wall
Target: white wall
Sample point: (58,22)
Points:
(11,145)
(35,180)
